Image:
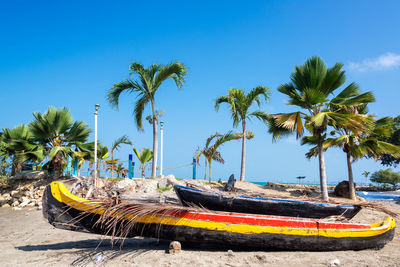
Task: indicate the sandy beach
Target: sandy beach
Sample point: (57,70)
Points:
(26,239)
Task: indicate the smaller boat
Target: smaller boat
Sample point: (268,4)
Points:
(260,205)
(194,225)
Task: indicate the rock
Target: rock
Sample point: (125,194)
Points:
(30,204)
(16,208)
(15,193)
(30,175)
(174,247)
(171,179)
(6,206)
(123,184)
(335,262)
(342,189)
(25,199)
(15,203)
(166,181)
(230,185)
(230,253)
(162,183)
(261,258)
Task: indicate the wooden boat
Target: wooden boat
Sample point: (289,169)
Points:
(244,231)
(259,205)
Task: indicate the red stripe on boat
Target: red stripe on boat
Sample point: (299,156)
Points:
(264,220)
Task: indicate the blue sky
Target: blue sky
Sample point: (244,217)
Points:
(69,53)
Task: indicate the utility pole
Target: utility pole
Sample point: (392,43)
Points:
(161,146)
(97,106)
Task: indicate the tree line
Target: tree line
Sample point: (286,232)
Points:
(332,114)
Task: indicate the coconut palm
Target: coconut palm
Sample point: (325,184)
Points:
(145,89)
(210,152)
(18,144)
(359,146)
(115,146)
(144,156)
(239,104)
(121,170)
(310,88)
(59,134)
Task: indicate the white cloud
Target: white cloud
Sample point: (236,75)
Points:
(383,62)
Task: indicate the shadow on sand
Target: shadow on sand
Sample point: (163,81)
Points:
(101,251)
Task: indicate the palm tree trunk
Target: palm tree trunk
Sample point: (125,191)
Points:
(143,175)
(16,167)
(57,161)
(112,164)
(352,190)
(205,169)
(243,163)
(209,171)
(155,142)
(322,171)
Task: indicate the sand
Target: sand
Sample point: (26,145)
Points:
(26,239)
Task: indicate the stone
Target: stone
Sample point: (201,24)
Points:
(342,189)
(261,258)
(335,262)
(162,183)
(230,185)
(166,181)
(15,193)
(25,199)
(15,203)
(175,247)
(230,253)
(6,205)
(125,183)
(30,175)
(16,208)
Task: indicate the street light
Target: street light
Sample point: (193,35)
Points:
(97,106)
(161,146)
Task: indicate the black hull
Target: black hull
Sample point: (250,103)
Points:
(61,216)
(254,205)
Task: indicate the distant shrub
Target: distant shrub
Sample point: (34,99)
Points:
(386,177)
(163,189)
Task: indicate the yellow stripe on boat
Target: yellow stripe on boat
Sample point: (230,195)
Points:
(61,193)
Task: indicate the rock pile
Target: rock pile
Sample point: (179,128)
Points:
(23,196)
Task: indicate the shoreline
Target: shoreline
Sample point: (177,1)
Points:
(28,240)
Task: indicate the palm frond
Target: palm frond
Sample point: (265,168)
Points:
(177,71)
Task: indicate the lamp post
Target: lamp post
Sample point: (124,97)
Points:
(97,106)
(161,146)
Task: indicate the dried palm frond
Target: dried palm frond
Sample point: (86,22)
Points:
(379,207)
(118,218)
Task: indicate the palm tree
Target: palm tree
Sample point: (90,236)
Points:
(121,170)
(59,134)
(311,85)
(239,104)
(150,79)
(359,146)
(115,146)
(366,174)
(18,144)
(210,152)
(144,156)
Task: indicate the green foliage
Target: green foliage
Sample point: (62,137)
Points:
(393,138)
(144,156)
(145,88)
(59,135)
(210,152)
(386,177)
(163,189)
(312,87)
